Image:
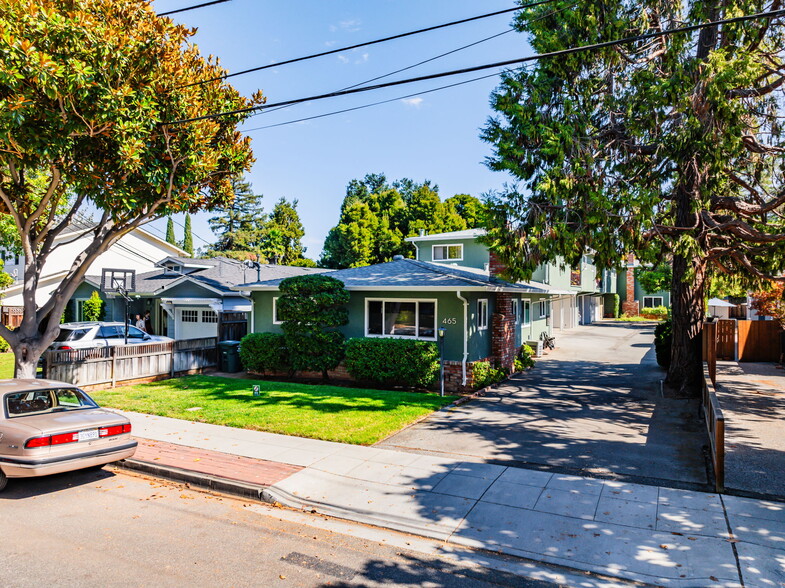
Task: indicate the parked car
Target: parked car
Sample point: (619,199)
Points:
(49,427)
(89,335)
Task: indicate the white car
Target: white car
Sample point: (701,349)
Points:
(91,335)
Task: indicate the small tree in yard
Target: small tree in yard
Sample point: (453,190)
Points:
(90,98)
(771,303)
(311,307)
(93,308)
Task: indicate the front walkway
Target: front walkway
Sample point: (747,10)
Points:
(752,397)
(650,534)
(592,406)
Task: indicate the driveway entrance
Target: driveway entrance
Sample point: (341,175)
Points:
(592,406)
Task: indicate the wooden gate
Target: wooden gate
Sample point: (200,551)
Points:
(232,326)
(726,339)
(759,340)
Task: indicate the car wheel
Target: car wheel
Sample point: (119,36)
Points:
(3,480)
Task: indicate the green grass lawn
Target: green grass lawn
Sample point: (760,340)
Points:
(347,415)
(6,365)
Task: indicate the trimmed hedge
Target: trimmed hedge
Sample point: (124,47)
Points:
(393,362)
(4,346)
(657,312)
(261,352)
(663,338)
(484,374)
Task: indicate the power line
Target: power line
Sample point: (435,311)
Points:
(604,45)
(367,43)
(192,7)
(291,122)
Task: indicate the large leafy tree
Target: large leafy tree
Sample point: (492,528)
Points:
(670,147)
(285,232)
(88,90)
(376,217)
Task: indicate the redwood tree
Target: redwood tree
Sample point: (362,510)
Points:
(87,91)
(670,147)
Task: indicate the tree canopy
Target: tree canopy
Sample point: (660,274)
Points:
(88,92)
(376,217)
(666,147)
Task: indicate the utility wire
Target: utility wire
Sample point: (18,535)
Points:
(367,43)
(192,7)
(772,14)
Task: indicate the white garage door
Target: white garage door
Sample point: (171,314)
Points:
(195,323)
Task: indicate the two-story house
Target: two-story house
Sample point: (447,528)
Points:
(453,284)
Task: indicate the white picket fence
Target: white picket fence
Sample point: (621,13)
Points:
(113,365)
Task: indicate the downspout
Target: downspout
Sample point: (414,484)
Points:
(465,336)
(416,252)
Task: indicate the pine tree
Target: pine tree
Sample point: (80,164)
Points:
(238,224)
(188,237)
(170,238)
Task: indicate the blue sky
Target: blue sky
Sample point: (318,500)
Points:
(435,136)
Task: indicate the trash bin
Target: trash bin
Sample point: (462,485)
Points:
(229,356)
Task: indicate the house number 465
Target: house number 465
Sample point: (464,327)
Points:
(450,321)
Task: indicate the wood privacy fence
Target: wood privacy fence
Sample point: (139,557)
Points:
(743,340)
(712,412)
(113,365)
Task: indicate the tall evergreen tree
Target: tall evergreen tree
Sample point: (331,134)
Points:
(188,237)
(239,224)
(284,223)
(170,236)
(668,147)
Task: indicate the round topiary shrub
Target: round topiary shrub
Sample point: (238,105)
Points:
(264,352)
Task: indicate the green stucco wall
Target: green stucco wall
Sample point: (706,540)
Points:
(474,254)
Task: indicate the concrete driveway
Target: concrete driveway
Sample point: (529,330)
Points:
(592,406)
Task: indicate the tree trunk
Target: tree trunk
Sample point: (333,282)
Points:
(25,361)
(687,311)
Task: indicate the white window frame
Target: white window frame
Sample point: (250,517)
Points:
(543,309)
(482,314)
(516,309)
(446,259)
(210,317)
(189,310)
(275,311)
(526,305)
(416,318)
(660,298)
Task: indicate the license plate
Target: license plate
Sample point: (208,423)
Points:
(87,435)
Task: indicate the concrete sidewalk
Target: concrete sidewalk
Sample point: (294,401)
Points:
(649,534)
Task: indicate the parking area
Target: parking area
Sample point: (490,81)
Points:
(593,407)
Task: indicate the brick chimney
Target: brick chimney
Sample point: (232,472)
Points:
(630,306)
(495,266)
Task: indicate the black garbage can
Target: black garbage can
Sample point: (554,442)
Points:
(229,357)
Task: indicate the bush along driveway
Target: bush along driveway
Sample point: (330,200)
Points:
(332,413)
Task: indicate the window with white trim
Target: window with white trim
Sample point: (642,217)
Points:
(482,314)
(189,316)
(395,317)
(543,309)
(209,316)
(526,313)
(516,309)
(447,252)
(276,319)
(652,301)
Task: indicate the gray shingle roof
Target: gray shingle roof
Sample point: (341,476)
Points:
(410,274)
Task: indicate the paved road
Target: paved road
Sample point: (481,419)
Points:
(113,529)
(592,406)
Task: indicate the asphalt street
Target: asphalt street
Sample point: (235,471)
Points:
(108,528)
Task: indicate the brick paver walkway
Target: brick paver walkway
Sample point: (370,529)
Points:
(214,463)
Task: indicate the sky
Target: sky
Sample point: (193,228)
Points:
(434,136)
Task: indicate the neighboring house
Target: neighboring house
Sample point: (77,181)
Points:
(581,301)
(453,284)
(634,298)
(193,298)
(138,250)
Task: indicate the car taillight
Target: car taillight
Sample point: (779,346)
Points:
(38,442)
(65,348)
(64,438)
(114,430)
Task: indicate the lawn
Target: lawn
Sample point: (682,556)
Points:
(332,413)
(6,365)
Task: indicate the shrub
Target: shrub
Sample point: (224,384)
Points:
(663,337)
(524,359)
(310,308)
(261,352)
(401,362)
(4,346)
(484,374)
(93,308)
(657,312)
(616,301)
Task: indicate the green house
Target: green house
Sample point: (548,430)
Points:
(452,284)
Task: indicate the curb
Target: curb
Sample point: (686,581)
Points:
(195,479)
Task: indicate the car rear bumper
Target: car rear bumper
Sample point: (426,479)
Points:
(30,468)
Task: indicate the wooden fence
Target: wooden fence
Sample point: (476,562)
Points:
(759,340)
(715,426)
(11,316)
(114,365)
